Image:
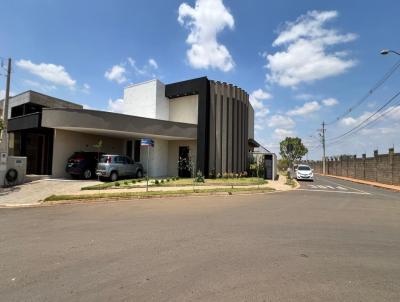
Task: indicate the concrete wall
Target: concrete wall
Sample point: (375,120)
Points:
(173,155)
(68,142)
(146,100)
(383,168)
(184,109)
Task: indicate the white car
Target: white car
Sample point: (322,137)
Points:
(304,172)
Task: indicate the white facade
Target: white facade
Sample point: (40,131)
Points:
(147,100)
(184,109)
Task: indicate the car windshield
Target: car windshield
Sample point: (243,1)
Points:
(304,168)
(105,159)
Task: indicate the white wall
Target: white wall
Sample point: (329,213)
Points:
(147,100)
(158,162)
(173,155)
(68,142)
(184,109)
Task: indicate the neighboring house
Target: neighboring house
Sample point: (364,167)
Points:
(210,122)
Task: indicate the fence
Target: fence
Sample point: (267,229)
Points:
(383,168)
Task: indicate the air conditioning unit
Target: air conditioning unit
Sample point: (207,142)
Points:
(15,171)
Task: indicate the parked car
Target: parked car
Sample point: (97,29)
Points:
(82,164)
(114,167)
(304,172)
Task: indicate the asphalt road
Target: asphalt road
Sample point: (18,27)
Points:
(330,240)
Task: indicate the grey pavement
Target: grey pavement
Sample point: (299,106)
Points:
(313,244)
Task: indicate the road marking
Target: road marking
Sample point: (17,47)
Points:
(341,192)
(340,185)
(341,188)
(330,187)
(321,187)
(313,186)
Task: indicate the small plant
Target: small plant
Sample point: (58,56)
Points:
(225,175)
(126,183)
(157,182)
(168,179)
(162,181)
(199,177)
(133,181)
(219,175)
(117,184)
(177,178)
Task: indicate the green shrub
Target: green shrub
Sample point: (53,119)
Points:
(133,181)
(156,182)
(168,179)
(199,177)
(162,181)
(117,184)
(126,182)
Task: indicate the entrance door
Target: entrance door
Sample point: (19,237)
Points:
(268,166)
(35,153)
(184,164)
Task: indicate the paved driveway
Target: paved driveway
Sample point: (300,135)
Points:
(32,192)
(313,244)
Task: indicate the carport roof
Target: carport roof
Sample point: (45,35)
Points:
(115,124)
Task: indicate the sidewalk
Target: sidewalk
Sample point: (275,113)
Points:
(367,182)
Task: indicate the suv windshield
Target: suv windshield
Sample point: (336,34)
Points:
(304,168)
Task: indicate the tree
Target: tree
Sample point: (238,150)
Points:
(295,152)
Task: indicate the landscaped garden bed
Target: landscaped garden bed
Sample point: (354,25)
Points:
(178,182)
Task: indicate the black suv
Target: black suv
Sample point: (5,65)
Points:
(83,164)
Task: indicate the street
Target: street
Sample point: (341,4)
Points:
(330,240)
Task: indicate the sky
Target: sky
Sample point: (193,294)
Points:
(302,62)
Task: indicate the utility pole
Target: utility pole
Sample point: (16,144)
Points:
(323,149)
(4,133)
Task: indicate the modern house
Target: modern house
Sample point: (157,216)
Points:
(209,122)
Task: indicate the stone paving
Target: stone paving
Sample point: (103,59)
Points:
(32,193)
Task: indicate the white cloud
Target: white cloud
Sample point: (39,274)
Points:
(390,114)
(256,98)
(147,70)
(330,102)
(117,106)
(39,86)
(86,88)
(262,112)
(305,109)
(153,63)
(116,73)
(281,133)
(305,57)
(52,73)
(281,121)
(205,21)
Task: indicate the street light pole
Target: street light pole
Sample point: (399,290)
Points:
(4,136)
(387,51)
(323,149)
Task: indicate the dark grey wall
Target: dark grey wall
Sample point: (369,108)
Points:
(228,129)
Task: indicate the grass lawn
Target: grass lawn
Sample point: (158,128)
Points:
(172,182)
(126,195)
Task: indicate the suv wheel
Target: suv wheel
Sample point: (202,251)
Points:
(114,176)
(139,174)
(87,174)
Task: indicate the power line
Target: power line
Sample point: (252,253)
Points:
(369,124)
(386,76)
(367,119)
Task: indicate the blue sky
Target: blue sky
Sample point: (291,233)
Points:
(302,61)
